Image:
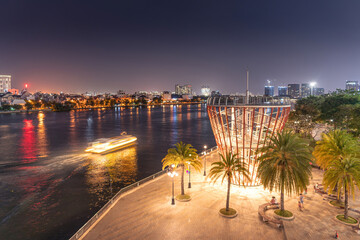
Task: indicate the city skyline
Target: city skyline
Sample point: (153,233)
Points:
(79,47)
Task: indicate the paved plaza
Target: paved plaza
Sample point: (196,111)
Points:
(147,213)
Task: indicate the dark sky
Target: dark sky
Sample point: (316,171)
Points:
(78,46)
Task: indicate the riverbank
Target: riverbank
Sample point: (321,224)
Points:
(26,111)
(103,107)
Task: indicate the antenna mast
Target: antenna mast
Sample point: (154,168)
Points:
(247,86)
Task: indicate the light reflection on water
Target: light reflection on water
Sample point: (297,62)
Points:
(107,173)
(49,187)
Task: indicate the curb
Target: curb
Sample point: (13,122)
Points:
(228,216)
(349,224)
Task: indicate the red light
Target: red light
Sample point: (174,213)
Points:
(25,85)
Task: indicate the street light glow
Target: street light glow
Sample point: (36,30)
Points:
(312,84)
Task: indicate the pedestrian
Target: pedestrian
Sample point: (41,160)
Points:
(299,206)
(273,201)
(301,200)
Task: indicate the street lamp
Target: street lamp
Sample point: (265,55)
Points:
(312,85)
(189,185)
(172,174)
(205,147)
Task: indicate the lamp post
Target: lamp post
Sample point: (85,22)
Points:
(189,185)
(172,174)
(205,147)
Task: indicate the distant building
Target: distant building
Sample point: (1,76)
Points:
(5,83)
(166,95)
(205,91)
(352,85)
(305,90)
(269,91)
(294,90)
(183,89)
(215,93)
(319,91)
(14,91)
(282,91)
(121,93)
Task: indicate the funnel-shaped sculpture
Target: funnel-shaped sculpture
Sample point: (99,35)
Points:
(242,125)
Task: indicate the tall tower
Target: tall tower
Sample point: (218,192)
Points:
(5,83)
(241,124)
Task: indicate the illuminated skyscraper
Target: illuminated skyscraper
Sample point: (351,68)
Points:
(305,90)
(269,91)
(294,90)
(5,83)
(242,124)
(282,91)
(352,85)
(319,91)
(205,91)
(183,90)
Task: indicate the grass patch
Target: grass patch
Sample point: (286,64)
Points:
(337,204)
(183,197)
(284,213)
(230,212)
(349,220)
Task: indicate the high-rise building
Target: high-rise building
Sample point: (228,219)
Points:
(215,93)
(282,91)
(241,125)
(205,91)
(183,90)
(352,85)
(5,83)
(294,90)
(269,91)
(305,90)
(318,91)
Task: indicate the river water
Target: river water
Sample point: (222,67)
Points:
(49,187)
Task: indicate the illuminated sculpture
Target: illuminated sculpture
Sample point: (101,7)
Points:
(241,124)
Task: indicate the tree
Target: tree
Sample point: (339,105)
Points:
(17,106)
(284,164)
(179,156)
(28,105)
(37,104)
(227,168)
(334,146)
(345,174)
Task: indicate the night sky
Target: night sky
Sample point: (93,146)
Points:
(78,46)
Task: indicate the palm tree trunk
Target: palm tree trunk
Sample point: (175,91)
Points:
(346,203)
(182,180)
(282,208)
(228,195)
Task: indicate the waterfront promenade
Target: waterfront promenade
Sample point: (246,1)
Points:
(146,213)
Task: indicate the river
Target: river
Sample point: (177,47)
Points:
(49,187)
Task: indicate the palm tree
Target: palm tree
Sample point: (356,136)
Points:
(228,167)
(334,146)
(179,156)
(284,164)
(345,174)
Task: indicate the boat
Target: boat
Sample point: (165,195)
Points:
(106,145)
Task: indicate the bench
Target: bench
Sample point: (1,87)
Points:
(266,218)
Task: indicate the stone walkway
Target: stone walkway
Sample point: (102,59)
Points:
(317,221)
(146,213)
